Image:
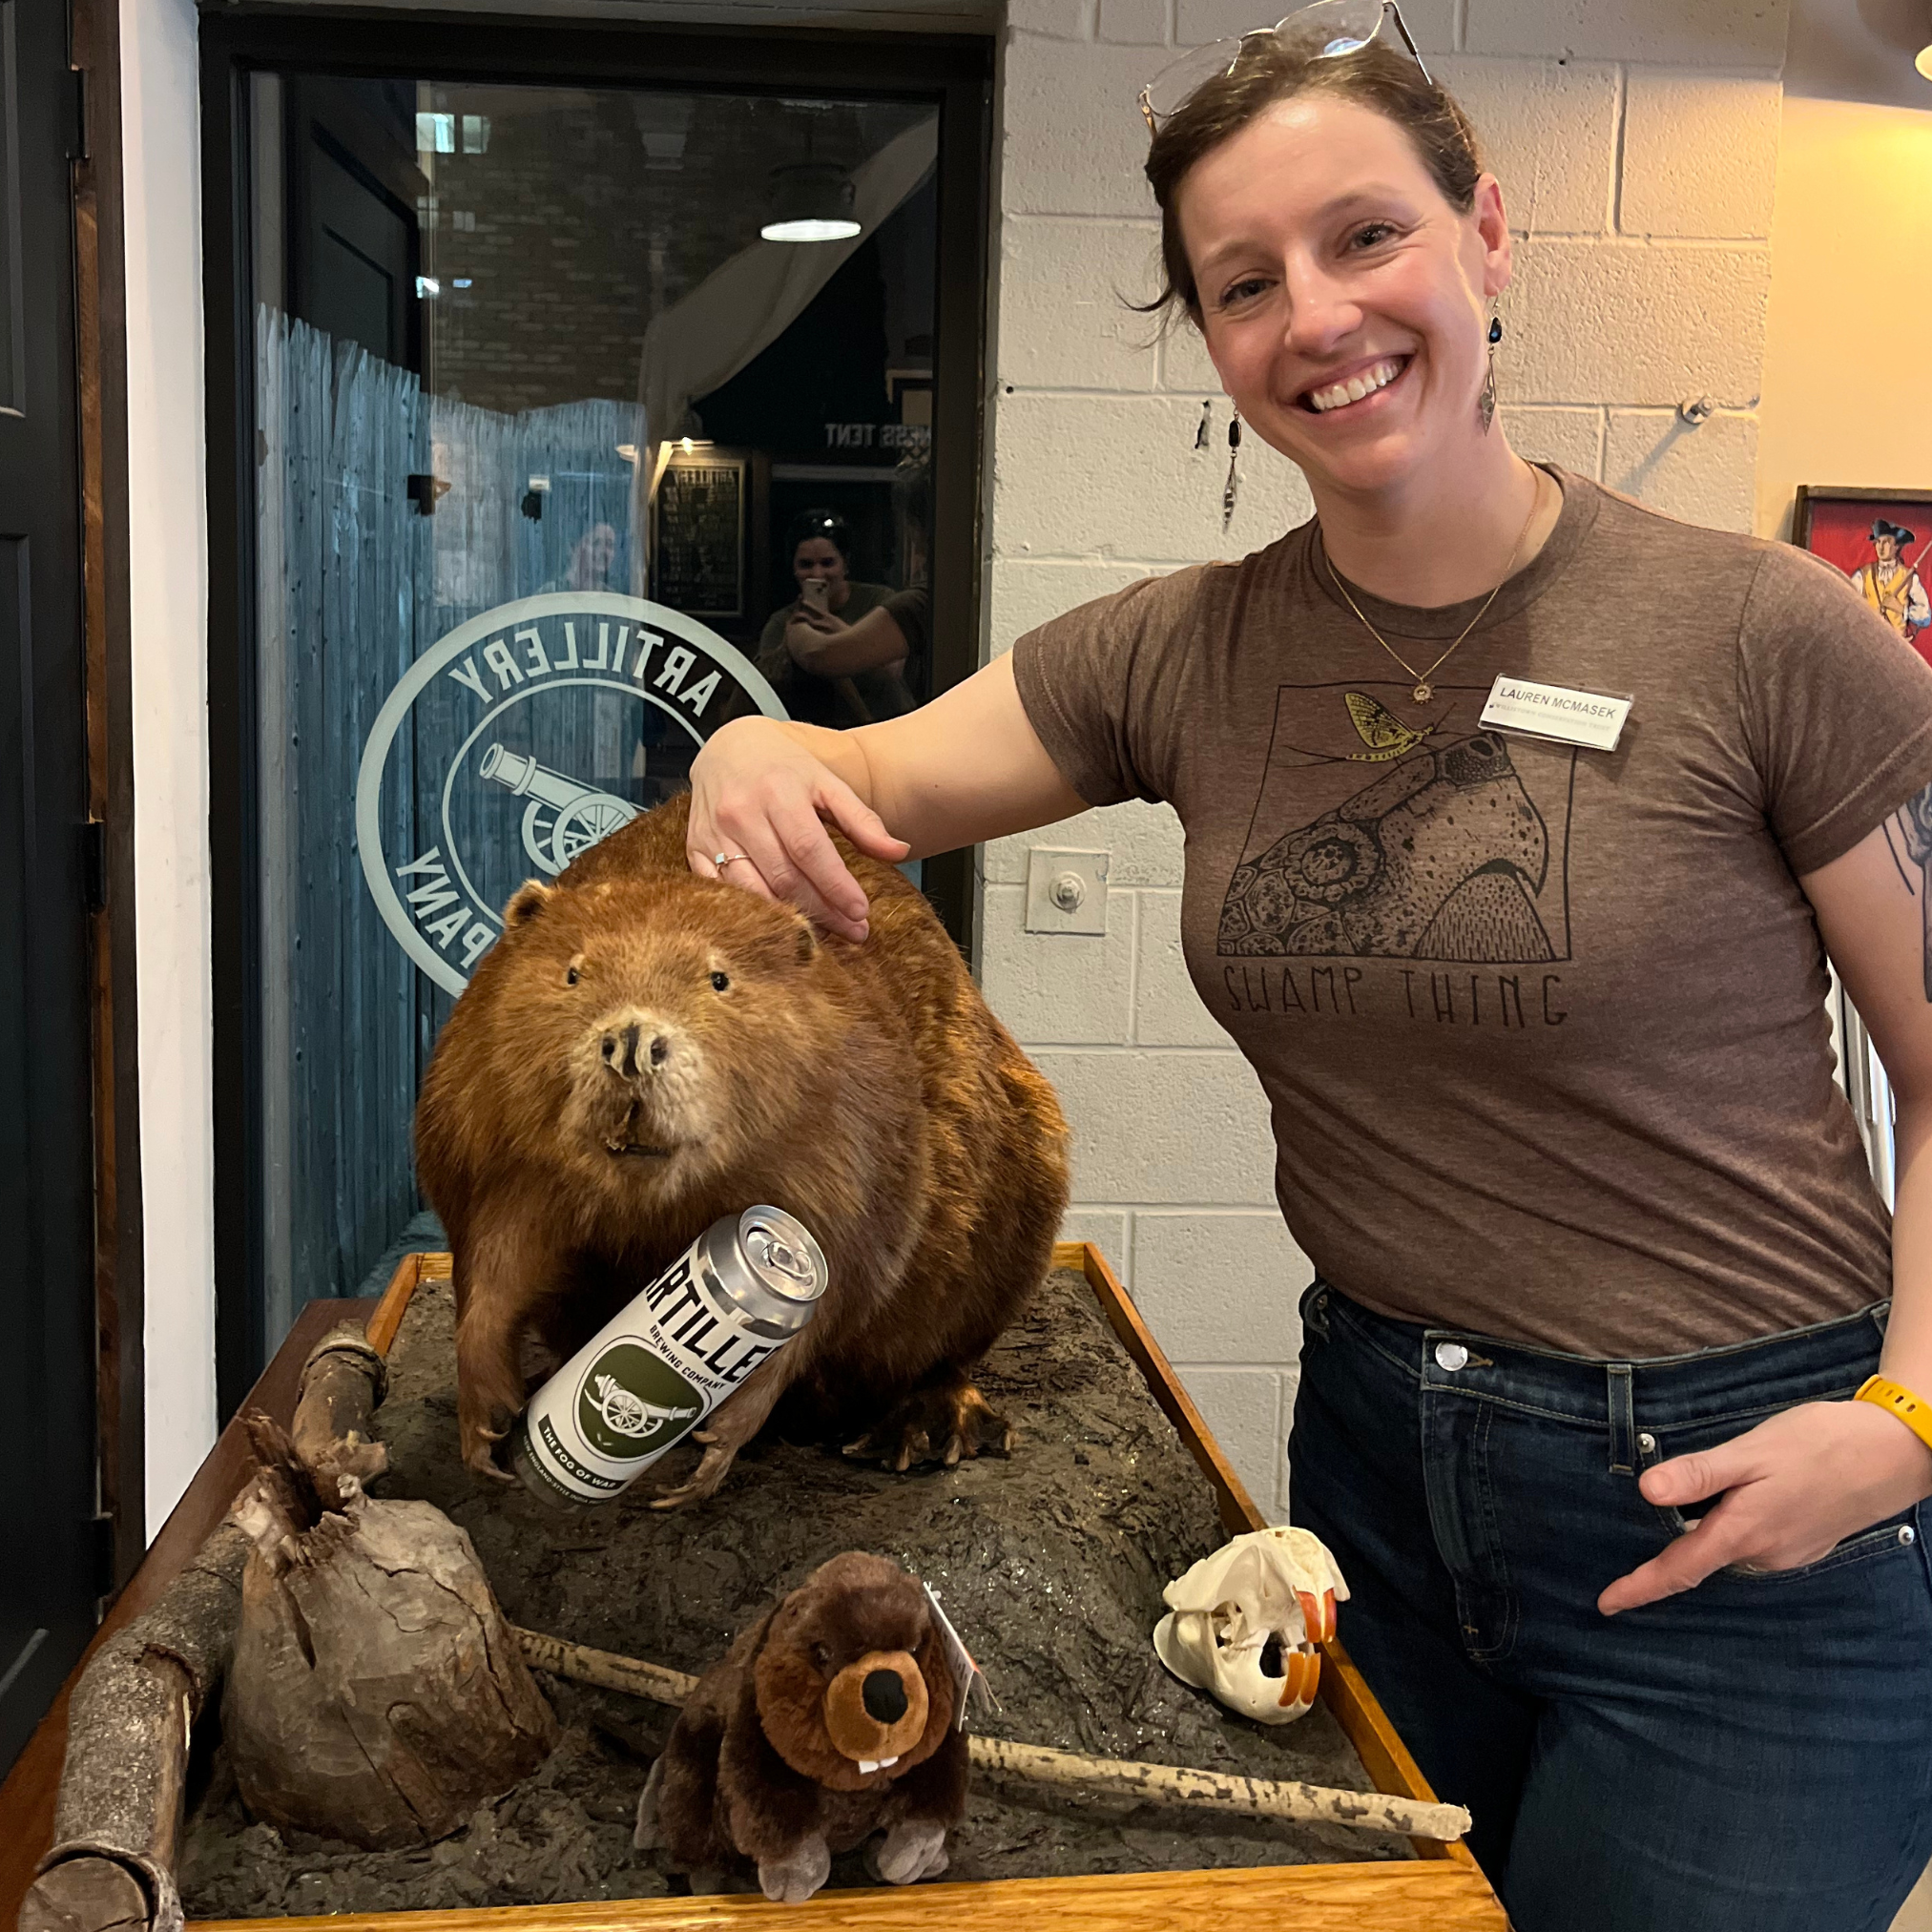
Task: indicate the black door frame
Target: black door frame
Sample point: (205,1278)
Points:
(69,829)
(954,70)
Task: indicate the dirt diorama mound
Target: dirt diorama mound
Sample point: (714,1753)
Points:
(1050,1563)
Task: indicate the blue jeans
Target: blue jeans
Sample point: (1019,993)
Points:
(1755,1753)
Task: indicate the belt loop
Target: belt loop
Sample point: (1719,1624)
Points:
(1880,1312)
(1623,1422)
(1315,1307)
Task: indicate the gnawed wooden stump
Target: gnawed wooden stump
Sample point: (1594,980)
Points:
(376,1693)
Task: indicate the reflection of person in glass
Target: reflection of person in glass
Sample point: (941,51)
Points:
(594,556)
(593,559)
(799,651)
(885,637)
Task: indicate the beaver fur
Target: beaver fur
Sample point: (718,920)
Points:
(644,1051)
(828,1720)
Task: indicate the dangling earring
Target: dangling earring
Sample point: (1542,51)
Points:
(1234,449)
(1486,406)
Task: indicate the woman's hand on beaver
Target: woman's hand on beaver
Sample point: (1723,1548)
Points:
(757,790)
(1789,1492)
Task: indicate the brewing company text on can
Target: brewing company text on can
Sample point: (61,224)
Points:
(743,1290)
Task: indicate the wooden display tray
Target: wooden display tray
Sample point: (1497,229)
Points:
(1442,1890)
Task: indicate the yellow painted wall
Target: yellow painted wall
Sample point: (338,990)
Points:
(1848,354)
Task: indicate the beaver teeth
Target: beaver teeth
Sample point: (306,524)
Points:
(871,1764)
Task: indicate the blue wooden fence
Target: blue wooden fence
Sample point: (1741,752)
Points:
(355,581)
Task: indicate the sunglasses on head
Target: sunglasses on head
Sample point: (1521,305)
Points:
(1326,30)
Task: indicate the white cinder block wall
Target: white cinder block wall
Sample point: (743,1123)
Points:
(1636,141)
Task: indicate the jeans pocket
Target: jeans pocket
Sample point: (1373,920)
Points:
(1896,1532)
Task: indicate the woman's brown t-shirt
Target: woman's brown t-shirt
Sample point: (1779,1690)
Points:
(1543,1029)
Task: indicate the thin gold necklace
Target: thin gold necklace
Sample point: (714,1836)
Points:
(1425,692)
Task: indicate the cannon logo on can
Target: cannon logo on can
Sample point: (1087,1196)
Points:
(632,1400)
(520,739)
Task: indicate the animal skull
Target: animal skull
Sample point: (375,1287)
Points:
(1265,1599)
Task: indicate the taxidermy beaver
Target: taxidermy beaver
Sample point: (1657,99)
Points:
(644,1051)
(830,1720)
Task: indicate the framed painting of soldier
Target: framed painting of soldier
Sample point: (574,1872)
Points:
(1882,539)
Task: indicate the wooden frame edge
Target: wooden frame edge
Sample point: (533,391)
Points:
(1389,1898)
(387,1319)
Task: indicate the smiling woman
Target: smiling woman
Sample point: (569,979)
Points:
(1539,1010)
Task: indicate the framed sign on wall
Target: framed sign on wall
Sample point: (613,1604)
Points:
(1882,539)
(697,536)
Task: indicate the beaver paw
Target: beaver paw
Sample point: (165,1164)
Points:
(480,1457)
(935,1425)
(909,1852)
(713,1467)
(792,1879)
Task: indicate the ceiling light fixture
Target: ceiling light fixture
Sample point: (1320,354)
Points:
(811,201)
(1923,63)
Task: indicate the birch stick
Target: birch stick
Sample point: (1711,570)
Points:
(1140,1783)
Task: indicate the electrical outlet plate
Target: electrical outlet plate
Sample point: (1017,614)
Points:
(1066,891)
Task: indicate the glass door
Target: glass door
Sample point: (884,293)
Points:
(580,415)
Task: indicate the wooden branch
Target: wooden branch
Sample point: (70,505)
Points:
(605,1668)
(84,1895)
(1120,1778)
(342,1383)
(119,1809)
(1132,1781)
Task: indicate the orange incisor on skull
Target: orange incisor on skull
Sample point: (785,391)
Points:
(869,1720)
(1299,1676)
(1318,1618)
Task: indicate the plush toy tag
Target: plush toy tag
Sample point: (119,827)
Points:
(973,1687)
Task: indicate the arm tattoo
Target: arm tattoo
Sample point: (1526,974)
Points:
(1912,824)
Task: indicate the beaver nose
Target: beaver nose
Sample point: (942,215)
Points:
(885,1696)
(626,1050)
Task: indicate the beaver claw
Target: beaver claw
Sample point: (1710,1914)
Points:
(957,1420)
(713,1467)
(480,1457)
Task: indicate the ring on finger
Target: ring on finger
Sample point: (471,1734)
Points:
(723,859)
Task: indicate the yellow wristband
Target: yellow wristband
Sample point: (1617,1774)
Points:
(1916,1414)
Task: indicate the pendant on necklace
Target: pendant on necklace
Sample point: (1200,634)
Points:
(1423,692)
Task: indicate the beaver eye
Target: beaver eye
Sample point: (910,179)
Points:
(572,977)
(719,981)
(822,1657)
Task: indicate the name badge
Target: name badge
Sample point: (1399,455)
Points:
(1554,710)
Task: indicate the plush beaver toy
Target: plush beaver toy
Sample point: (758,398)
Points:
(643,1051)
(830,1720)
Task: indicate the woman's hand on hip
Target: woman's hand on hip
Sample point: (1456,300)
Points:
(1789,1492)
(760,797)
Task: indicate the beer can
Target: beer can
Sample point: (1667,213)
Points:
(744,1289)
